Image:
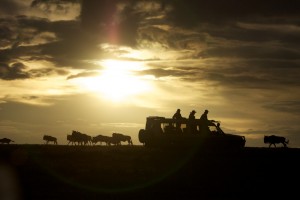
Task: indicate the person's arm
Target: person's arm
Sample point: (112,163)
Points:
(220,130)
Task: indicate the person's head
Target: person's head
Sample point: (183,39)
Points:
(206,111)
(193,111)
(178,110)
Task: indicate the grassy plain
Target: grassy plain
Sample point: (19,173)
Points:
(137,172)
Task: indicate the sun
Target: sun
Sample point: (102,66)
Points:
(117,81)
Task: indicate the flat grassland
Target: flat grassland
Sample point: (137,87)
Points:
(138,172)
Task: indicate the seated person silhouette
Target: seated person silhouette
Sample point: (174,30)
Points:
(192,127)
(204,122)
(177,115)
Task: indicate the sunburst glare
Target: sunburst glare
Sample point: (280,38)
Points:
(117,81)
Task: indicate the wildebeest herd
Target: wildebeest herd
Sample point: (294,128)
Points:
(78,138)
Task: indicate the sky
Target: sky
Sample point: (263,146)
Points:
(104,66)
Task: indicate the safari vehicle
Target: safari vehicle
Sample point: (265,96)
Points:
(161,131)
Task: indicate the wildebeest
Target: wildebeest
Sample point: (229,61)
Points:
(119,137)
(6,141)
(80,138)
(49,138)
(273,140)
(100,139)
(71,139)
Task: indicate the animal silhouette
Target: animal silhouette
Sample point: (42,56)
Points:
(71,139)
(100,139)
(6,141)
(80,138)
(49,138)
(119,137)
(273,140)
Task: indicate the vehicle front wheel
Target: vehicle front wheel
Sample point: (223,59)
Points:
(142,136)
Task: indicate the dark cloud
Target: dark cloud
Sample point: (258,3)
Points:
(193,12)
(5,30)
(291,106)
(47,72)
(254,51)
(68,48)
(107,19)
(10,8)
(285,32)
(15,71)
(253,73)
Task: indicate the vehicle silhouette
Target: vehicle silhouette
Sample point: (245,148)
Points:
(161,131)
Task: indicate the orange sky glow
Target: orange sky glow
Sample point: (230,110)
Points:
(104,66)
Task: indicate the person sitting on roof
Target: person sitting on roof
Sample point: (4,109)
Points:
(204,123)
(177,115)
(192,128)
